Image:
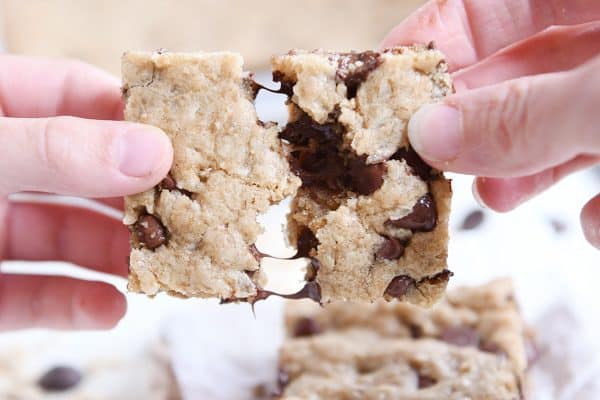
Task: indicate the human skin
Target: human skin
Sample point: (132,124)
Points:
(61,132)
(525,113)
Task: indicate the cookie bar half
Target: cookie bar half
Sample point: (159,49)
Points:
(193,234)
(472,344)
(371,214)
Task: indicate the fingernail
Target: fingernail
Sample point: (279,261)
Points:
(476,195)
(140,151)
(434,132)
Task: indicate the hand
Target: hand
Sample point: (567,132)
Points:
(526,112)
(86,156)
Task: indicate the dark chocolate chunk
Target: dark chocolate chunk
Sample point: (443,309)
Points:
(307,327)
(365,178)
(463,336)
(391,249)
(59,379)
(399,286)
(425,381)
(422,218)
(168,183)
(150,232)
(419,167)
(472,220)
(354,68)
(306,242)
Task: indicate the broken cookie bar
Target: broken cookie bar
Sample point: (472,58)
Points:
(377,215)
(472,344)
(192,235)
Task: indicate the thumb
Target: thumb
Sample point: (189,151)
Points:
(515,128)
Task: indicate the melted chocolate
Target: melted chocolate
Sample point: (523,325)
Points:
(256,253)
(423,217)
(418,167)
(365,178)
(306,242)
(354,68)
(286,86)
(317,160)
(311,290)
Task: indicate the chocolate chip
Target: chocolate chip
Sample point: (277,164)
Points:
(59,379)
(307,327)
(472,220)
(354,68)
(492,347)
(168,183)
(422,218)
(463,336)
(415,331)
(425,381)
(150,232)
(414,161)
(306,242)
(391,249)
(439,278)
(366,178)
(399,286)
(558,226)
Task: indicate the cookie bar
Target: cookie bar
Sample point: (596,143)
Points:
(193,234)
(473,344)
(370,213)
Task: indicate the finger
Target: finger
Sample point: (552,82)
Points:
(470,30)
(590,221)
(53,232)
(556,49)
(505,194)
(28,301)
(38,87)
(81,157)
(516,128)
